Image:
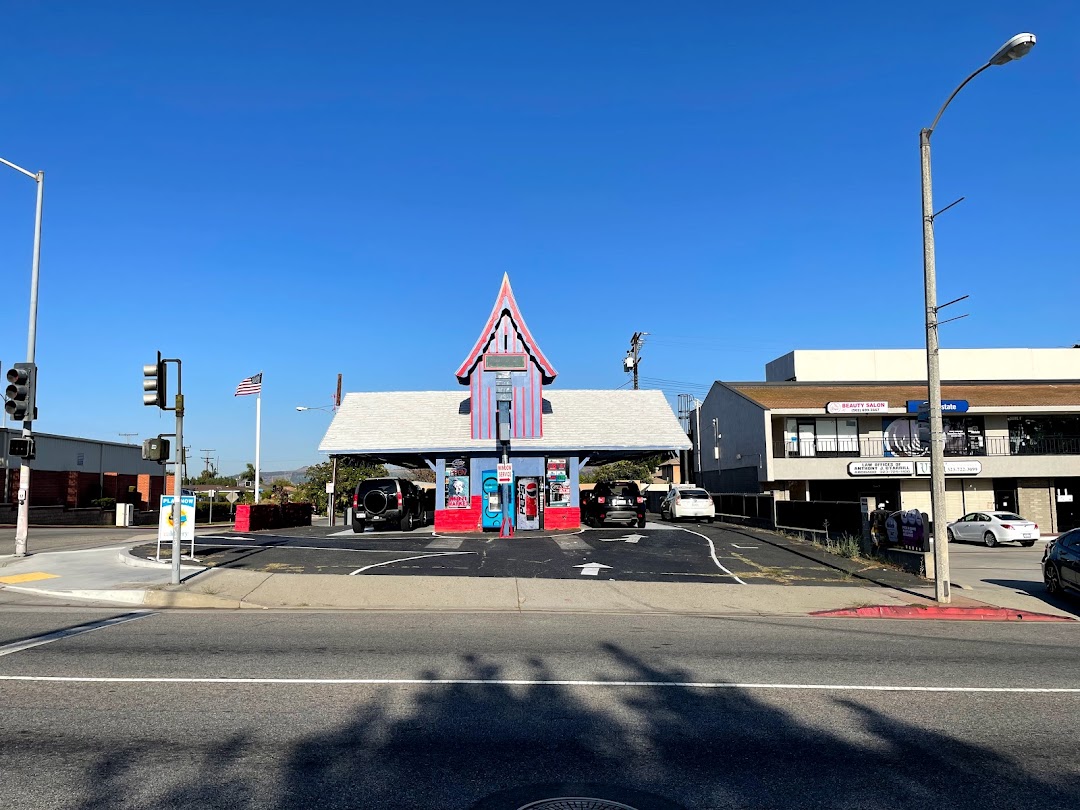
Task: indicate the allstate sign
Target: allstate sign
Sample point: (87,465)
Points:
(947,405)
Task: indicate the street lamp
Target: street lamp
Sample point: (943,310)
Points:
(23,520)
(332,492)
(1015,48)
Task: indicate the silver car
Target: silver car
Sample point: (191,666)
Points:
(992,528)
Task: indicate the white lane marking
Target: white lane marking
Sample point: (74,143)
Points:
(743,547)
(406,559)
(809,687)
(48,638)
(712,551)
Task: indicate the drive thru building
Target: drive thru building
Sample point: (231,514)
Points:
(547,434)
(842,425)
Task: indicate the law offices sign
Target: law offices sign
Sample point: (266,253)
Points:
(857,407)
(861,468)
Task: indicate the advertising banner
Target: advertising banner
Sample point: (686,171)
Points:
(187,518)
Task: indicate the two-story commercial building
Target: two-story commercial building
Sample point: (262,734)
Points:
(841,425)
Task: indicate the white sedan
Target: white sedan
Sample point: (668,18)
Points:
(993,528)
(688,502)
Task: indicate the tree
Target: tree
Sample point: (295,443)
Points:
(351,471)
(423,474)
(249,473)
(623,471)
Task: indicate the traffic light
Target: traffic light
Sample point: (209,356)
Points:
(21,448)
(22,379)
(155,449)
(154,383)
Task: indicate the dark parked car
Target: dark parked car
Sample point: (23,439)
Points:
(392,502)
(1061,564)
(617,501)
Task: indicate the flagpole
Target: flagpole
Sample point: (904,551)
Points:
(258,435)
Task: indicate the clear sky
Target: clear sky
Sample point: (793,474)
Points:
(311,188)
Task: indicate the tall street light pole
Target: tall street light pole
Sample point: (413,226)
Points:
(22,522)
(1015,48)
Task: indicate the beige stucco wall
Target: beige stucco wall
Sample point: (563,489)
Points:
(865,365)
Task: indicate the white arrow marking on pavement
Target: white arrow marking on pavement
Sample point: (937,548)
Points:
(735,546)
(629,538)
(591,569)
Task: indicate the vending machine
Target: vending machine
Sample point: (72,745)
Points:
(529,503)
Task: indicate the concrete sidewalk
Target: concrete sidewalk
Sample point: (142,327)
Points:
(107,574)
(114,575)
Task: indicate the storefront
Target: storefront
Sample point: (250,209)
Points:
(506,448)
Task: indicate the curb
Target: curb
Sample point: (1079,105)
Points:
(988,614)
(129,559)
(126,597)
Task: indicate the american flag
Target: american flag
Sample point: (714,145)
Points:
(249,385)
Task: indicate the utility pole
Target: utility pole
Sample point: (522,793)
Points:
(207,459)
(633,356)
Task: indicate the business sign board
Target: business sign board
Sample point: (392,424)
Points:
(947,406)
(187,518)
(856,407)
(951,467)
(881,468)
(506,362)
(504,473)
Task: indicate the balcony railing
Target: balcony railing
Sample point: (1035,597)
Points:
(966,448)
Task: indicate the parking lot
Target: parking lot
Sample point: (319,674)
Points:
(660,552)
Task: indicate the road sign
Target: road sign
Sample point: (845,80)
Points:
(329,487)
(232,497)
(187,518)
(504,473)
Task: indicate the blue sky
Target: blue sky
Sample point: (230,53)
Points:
(308,189)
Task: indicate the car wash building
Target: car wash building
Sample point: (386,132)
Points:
(505,447)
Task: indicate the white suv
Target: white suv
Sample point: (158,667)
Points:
(688,502)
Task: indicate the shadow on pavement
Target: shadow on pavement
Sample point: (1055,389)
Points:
(1069,604)
(448,746)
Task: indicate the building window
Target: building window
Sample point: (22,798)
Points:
(907,436)
(1044,435)
(828,437)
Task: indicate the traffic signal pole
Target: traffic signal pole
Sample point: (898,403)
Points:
(178,480)
(22,521)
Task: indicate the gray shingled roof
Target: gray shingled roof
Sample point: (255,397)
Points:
(411,423)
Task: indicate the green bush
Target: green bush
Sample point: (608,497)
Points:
(104,503)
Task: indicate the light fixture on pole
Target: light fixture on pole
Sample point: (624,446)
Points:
(22,521)
(332,493)
(1015,48)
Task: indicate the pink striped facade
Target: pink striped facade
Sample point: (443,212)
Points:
(527,410)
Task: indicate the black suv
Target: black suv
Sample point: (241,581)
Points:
(619,500)
(393,502)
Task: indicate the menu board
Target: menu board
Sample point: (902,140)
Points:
(558,483)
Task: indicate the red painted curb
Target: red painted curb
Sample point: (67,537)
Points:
(991,614)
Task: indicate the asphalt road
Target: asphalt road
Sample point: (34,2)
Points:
(457,707)
(659,553)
